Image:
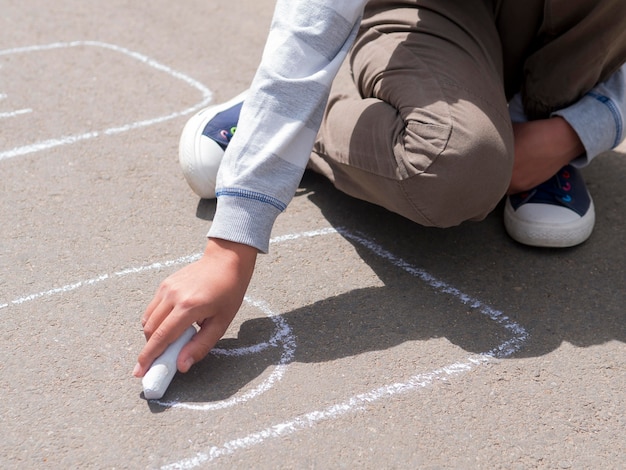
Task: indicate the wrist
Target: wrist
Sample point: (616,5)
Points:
(566,141)
(229,251)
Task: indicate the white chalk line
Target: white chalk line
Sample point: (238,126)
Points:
(360,401)
(283,334)
(71,139)
(137,270)
(309,420)
(15,113)
(507,348)
(356,402)
(95,280)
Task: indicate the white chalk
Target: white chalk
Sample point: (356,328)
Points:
(162,370)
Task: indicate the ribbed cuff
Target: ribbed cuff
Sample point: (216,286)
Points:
(596,121)
(244,220)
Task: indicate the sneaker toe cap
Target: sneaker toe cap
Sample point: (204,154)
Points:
(546,213)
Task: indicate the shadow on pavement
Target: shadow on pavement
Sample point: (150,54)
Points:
(568,295)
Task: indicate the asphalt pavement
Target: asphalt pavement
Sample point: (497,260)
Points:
(365,341)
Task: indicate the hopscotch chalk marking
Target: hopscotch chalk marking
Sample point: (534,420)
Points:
(283,334)
(71,139)
(360,401)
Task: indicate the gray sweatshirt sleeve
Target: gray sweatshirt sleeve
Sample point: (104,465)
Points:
(265,160)
(598,117)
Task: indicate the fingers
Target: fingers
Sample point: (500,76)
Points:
(165,334)
(195,350)
(158,330)
(156,313)
(208,292)
(150,308)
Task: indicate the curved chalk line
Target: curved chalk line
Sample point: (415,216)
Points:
(71,139)
(507,348)
(309,420)
(360,401)
(283,334)
(357,402)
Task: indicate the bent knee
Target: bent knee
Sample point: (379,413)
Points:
(461,187)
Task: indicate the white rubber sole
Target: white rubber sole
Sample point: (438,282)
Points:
(199,156)
(548,233)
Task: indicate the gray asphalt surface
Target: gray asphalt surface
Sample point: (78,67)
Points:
(366,341)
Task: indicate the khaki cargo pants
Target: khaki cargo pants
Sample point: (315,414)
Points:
(417,121)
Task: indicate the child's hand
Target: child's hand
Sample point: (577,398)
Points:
(208,292)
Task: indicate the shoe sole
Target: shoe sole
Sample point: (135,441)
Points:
(549,235)
(189,147)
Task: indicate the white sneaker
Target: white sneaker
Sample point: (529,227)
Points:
(558,213)
(203,142)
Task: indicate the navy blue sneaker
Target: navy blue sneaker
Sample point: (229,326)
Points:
(558,213)
(203,142)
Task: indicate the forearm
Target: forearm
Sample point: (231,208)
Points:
(598,117)
(264,162)
(575,134)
